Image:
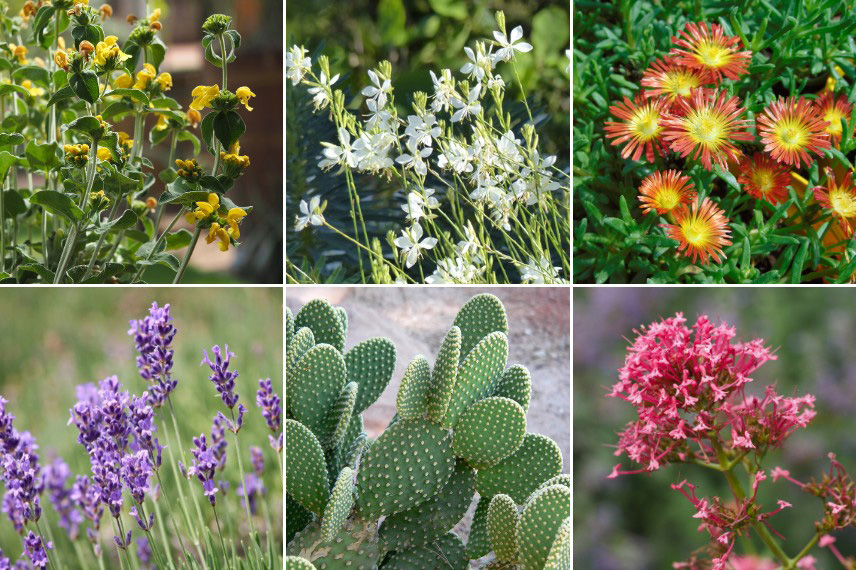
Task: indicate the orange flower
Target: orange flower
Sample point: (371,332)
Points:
(764,178)
(707,48)
(840,198)
(708,123)
(790,128)
(665,77)
(832,111)
(702,231)
(641,126)
(665,191)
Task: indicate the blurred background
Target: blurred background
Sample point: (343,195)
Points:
(259,66)
(55,339)
(637,521)
(417,320)
(415,36)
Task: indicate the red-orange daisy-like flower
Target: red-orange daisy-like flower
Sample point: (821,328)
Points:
(764,178)
(665,191)
(702,230)
(667,78)
(790,129)
(641,126)
(839,198)
(707,48)
(832,110)
(707,124)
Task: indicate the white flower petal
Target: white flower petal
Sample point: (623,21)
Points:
(428,243)
(500,37)
(523,47)
(516,34)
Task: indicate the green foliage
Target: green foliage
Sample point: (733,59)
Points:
(418,476)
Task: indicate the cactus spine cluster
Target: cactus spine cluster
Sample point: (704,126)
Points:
(460,429)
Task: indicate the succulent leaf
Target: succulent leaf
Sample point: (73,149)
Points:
(370,364)
(355,546)
(515,383)
(477,375)
(478,543)
(315,385)
(502,519)
(559,557)
(289,327)
(444,375)
(446,552)
(339,416)
(539,524)
(297,563)
(296,517)
(412,397)
(339,505)
(326,325)
(307,471)
(489,431)
(480,316)
(518,475)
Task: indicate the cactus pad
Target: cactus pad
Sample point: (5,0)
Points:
(339,416)
(296,517)
(339,505)
(407,465)
(478,543)
(539,524)
(502,520)
(354,547)
(297,563)
(561,479)
(489,431)
(559,557)
(343,318)
(370,364)
(446,552)
(413,393)
(435,517)
(444,376)
(477,375)
(515,383)
(326,325)
(304,463)
(355,451)
(315,385)
(303,340)
(289,326)
(480,316)
(537,460)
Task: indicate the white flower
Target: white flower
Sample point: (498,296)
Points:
(421,130)
(416,161)
(379,91)
(507,48)
(371,151)
(378,118)
(469,246)
(470,107)
(480,62)
(312,214)
(457,157)
(320,93)
(444,88)
(540,272)
(495,81)
(415,203)
(344,154)
(453,271)
(296,64)
(411,246)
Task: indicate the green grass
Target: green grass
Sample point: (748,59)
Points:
(55,339)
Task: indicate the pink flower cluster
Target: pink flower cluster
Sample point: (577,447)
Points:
(687,385)
(836,489)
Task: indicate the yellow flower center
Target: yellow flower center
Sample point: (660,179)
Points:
(646,125)
(791,134)
(706,127)
(843,202)
(712,54)
(680,83)
(668,198)
(695,231)
(763,179)
(833,116)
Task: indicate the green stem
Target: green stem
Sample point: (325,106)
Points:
(186,260)
(220,534)
(139,272)
(75,228)
(101,239)
(174,524)
(803,553)
(181,452)
(152,542)
(241,471)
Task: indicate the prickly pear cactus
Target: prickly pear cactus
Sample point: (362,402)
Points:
(459,436)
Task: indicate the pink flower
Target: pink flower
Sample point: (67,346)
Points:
(826,540)
(744,440)
(807,563)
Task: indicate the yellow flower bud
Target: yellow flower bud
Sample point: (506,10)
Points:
(194,117)
(244,95)
(61,59)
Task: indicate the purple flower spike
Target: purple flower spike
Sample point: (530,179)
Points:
(222,377)
(204,466)
(258,460)
(218,440)
(271,406)
(35,548)
(56,475)
(144,553)
(136,470)
(152,337)
(88,500)
(253,489)
(145,525)
(143,426)
(123,543)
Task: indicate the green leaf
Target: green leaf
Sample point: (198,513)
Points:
(211,184)
(179,239)
(42,156)
(88,125)
(46,274)
(13,203)
(127,220)
(42,19)
(799,260)
(550,30)
(85,85)
(193,139)
(228,127)
(9,88)
(168,175)
(745,258)
(134,94)
(77,272)
(455,9)
(58,204)
(34,73)
(165,103)
(11,139)
(61,95)
(7,159)
(392,22)
(207,129)
(89,32)
(187,199)
(117,110)
(155,53)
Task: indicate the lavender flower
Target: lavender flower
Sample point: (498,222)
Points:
(204,467)
(222,377)
(144,553)
(35,548)
(88,499)
(55,476)
(143,426)
(258,460)
(5,564)
(21,472)
(136,470)
(252,490)
(218,440)
(271,406)
(152,337)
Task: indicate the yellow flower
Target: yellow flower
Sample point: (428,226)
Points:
(104,154)
(234,216)
(193,117)
(125,140)
(204,209)
(34,91)
(155,15)
(244,95)
(108,49)
(218,233)
(144,76)
(105,11)
(20,52)
(202,96)
(165,81)
(124,81)
(161,124)
(61,59)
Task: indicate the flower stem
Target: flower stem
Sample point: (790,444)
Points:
(241,471)
(187,255)
(220,534)
(100,241)
(75,228)
(139,272)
